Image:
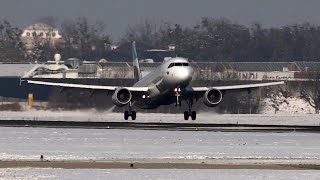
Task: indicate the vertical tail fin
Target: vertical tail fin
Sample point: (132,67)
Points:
(136,67)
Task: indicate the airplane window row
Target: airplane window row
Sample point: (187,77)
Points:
(178,64)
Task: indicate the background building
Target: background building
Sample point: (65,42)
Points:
(39,34)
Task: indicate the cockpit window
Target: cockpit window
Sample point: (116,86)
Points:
(178,64)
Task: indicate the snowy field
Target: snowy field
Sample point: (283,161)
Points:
(242,174)
(114,145)
(107,116)
(166,146)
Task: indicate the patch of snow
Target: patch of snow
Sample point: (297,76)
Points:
(187,174)
(110,145)
(281,105)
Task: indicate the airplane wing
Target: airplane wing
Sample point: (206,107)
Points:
(237,87)
(84,86)
(145,89)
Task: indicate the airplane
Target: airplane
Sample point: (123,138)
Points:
(168,84)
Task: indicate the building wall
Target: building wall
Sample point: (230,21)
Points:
(39,34)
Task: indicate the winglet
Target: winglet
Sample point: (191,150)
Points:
(136,67)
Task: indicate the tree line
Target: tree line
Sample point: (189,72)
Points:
(211,39)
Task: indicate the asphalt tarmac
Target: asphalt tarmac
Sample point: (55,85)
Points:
(161,126)
(155,165)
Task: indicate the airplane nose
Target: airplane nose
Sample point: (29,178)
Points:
(179,76)
(184,74)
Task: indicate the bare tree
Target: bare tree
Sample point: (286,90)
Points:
(146,32)
(82,38)
(312,93)
(49,20)
(11,46)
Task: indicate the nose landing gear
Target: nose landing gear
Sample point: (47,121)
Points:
(177,92)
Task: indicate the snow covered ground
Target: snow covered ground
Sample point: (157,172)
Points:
(143,145)
(163,146)
(93,115)
(189,174)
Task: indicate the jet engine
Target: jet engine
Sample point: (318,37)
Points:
(212,97)
(121,97)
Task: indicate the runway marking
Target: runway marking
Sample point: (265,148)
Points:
(153,165)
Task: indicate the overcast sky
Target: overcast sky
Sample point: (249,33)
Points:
(118,14)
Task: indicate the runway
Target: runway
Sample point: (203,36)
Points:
(160,126)
(171,122)
(149,146)
(139,149)
(157,164)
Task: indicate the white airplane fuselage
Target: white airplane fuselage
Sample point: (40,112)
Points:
(172,75)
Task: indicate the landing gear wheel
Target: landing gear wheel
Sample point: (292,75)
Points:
(126,115)
(186,115)
(133,115)
(193,115)
(189,113)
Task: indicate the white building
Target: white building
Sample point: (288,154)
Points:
(38,34)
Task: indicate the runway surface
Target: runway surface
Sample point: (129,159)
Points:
(145,146)
(165,150)
(172,122)
(144,154)
(161,126)
(202,117)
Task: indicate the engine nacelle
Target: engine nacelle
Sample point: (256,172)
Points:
(212,97)
(121,97)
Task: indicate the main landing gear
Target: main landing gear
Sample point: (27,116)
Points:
(189,113)
(129,113)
